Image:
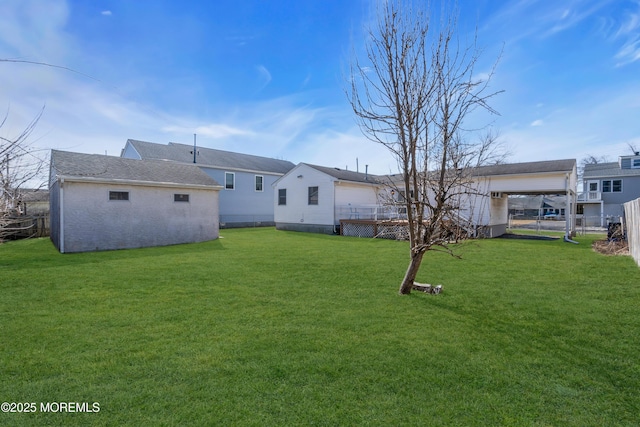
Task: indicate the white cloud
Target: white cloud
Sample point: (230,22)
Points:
(106,13)
(536,123)
(213,130)
(265,76)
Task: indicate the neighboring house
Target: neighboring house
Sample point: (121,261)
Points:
(247,195)
(34,202)
(100,202)
(607,186)
(316,198)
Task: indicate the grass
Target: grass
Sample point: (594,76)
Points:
(264,327)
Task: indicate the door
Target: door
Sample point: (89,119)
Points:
(593,192)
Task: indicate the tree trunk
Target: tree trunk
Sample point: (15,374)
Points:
(412,272)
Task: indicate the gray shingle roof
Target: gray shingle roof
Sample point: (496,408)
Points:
(346,175)
(109,168)
(605,170)
(566,165)
(547,166)
(210,157)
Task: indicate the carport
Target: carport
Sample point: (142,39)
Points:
(553,177)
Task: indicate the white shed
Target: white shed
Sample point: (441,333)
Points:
(100,202)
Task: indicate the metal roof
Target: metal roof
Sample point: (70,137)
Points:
(110,168)
(209,157)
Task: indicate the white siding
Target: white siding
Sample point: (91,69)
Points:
(355,194)
(297,210)
(530,183)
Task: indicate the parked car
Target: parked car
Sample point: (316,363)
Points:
(550,215)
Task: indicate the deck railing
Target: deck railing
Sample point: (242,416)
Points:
(372,212)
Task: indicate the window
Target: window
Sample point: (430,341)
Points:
(635,163)
(612,185)
(313,195)
(616,185)
(180,197)
(259,182)
(118,195)
(593,186)
(282,196)
(229,180)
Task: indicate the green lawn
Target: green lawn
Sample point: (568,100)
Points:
(263,327)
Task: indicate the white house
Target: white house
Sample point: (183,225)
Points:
(100,202)
(316,198)
(246,199)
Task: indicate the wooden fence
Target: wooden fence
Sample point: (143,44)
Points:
(632,214)
(22,227)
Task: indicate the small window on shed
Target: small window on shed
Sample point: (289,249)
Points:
(118,195)
(282,196)
(180,197)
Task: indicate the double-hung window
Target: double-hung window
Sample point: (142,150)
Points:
(259,183)
(282,196)
(612,186)
(229,180)
(313,195)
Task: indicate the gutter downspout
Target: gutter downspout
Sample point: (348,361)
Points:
(335,183)
(61,207)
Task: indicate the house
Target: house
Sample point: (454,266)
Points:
(247,196)
(34,202)
(607,186)
(100,202)
(316,198)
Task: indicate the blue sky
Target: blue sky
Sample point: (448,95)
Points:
(267,77)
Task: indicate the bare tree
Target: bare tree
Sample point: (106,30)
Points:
(590,159)
(412,95)
(21,165)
